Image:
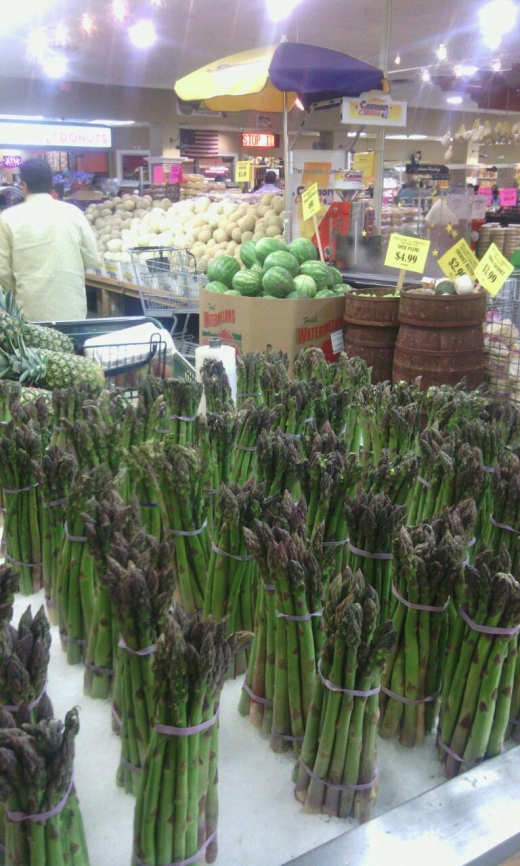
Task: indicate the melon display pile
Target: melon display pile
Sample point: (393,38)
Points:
(209,229)
(269,268)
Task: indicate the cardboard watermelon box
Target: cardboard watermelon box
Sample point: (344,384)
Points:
(270,324)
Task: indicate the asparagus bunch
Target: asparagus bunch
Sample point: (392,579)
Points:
(251,421)
(475,709)
(138,462)
(337,771)
(451,471)
(273,376)
(395,477)
(175,412)
(250,369)
(222,432)
(149,391)
(232,573)
(107,522)
(20,450)
(328,474)
(312,364)
(76,576)
(177,803)
(350,375)
(36,778)
(389,417)
(67,406)
(501,522)
(140,580)
(446,407)
(372,522)
(426,565)
(54,474)
(217,390)
(278,463)
(24,658)
(294,572)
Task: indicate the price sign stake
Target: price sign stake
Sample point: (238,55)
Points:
(493,270)
(243,171)
(459,259)
(311,205)
(406,254)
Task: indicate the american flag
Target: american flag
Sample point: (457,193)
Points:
(198,143)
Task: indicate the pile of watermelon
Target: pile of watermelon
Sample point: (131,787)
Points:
(271,269)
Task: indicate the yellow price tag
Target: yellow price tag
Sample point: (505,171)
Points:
(460,259)
(243,171)
(311,203)
(493,270)
(406,253)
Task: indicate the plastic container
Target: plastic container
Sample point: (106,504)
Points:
(216,351)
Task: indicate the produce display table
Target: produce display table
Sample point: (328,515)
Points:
(111,294)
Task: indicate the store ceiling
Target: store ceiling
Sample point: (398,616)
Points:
(193,32)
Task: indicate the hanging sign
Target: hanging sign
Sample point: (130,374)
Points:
(493,270)
(243,171)
(364,162)
(407,253)
(458,260)
(54,135)
(508,197)
(260,139)
(311,203)
(373,109)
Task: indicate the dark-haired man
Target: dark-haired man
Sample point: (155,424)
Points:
(45,246)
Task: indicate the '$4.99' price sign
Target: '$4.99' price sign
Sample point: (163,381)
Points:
(493,270)
(407,253)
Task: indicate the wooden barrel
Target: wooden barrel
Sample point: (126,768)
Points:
(371,327)
(440,339)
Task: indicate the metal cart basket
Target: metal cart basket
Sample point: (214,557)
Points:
(169,283)
(502,341)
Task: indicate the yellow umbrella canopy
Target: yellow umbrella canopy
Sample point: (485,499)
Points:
(239,82)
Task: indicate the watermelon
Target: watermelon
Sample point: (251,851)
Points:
(318,271)
(268,245)
(216,286)
(231,292)
(247,253)
(305,285)
(278,282)
(304,250)
(248,283)
(257,268)
(223,269)
(336,279)
(325,293)
(296,296)
(282,260)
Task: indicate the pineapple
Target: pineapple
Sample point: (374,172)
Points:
(50,370)
(14,325)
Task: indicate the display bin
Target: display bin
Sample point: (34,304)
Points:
(152,354)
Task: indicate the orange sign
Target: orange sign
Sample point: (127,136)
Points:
(260,139)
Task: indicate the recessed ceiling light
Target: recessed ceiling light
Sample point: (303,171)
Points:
(55,65)
(425,75)
(462,71)
(37,43)
(496,19)
(119,10)
(112,122)
(397,60)
(142,34)
(496,65)
(442,52)
(278,10)
(455,100)
(87,23)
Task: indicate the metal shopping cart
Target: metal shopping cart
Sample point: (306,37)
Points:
(169,283)
(502,341)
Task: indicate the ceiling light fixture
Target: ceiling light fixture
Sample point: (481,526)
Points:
(61,35)
(397,60)
(454,100)
(442,52)
(119,10)
(37,44)
(462,71)
(425,76)
(496,19)
(278,10)
(99,122)
(299,104)
(87,23)
(55,65)
(496,65)
(142,34)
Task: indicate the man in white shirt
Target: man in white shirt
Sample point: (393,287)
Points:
(269,184)
(45,246)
